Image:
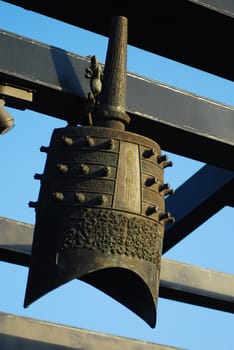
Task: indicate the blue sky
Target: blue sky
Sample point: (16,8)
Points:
(78,304)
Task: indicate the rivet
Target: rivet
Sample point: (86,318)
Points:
(38,176)
(162,158)
(149,153)
(80,197)
(58,196)
(67,140)
(168,192)
(32,204)
(44,149)
(152,210)
(151,181)
(166,217)
(106,171)
(163,187)
(167,164)
(89,140)
(163,216)
(101,199)
(171,219)
(110,144)
(84,169)
(62,168)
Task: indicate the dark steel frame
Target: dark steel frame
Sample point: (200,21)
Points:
(208,25)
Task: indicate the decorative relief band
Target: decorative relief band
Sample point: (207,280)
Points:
(111,232)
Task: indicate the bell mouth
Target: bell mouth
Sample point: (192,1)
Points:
(127,288)
(121,284)
(138,291)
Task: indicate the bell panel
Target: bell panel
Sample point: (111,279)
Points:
(128,183)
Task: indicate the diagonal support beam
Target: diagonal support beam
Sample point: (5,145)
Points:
(199,198)
(170,116)
(178,281)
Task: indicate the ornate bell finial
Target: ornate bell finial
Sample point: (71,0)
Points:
(112,109)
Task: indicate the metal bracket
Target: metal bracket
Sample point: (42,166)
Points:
(18,96)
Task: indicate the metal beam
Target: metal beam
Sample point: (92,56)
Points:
(208,48)
(15,241)
(17,332)
(178,281)
(195,201)
(197,286)
(170,116)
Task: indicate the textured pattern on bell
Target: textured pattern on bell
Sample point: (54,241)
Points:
(100,217)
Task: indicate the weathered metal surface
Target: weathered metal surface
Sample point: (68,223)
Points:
(203,50)
(167,115)
(195,201)
(18,332)
(178,281)
(100,214)
(97,220)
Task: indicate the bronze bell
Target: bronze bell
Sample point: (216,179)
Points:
(100,214)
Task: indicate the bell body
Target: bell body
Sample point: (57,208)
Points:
(98,217)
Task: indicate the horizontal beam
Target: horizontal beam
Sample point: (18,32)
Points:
(196,285)
(178,281)
(172,117)
(200,197)
(17,332)
(208,48)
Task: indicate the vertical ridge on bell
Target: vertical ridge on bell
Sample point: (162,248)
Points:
(111,112)
(128,183)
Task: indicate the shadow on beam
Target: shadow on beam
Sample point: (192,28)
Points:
(195,201)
